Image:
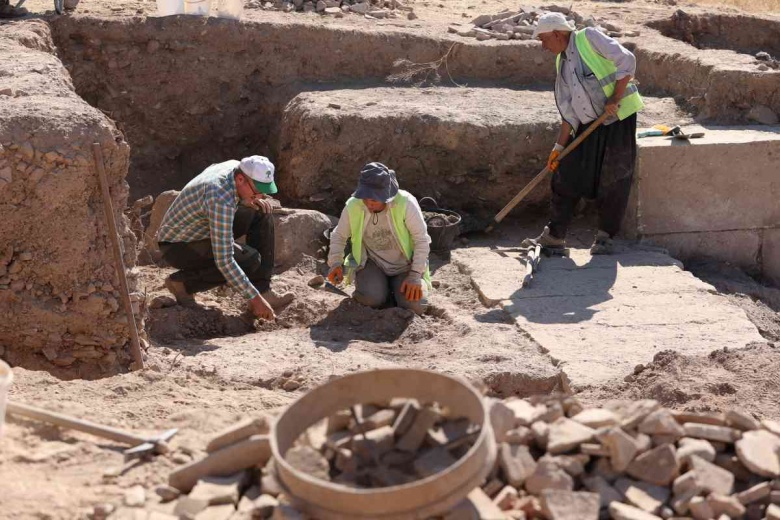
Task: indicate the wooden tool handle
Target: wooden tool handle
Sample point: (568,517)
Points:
(135,344)
(542,174)
(65,421)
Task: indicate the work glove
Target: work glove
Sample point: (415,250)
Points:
(412,287)
(336,275)
(552,160)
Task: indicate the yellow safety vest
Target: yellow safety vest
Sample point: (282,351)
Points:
(606,72)
(355,210)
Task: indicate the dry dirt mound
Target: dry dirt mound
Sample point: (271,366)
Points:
(745,378)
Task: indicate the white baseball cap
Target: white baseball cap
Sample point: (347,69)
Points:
(261,170)
(553,22)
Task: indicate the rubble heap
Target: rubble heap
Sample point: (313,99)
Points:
(520,24)
(765,61)
(556,461)
(373,9)
(373,446)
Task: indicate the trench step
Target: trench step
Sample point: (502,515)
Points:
(467,147)
(602,316)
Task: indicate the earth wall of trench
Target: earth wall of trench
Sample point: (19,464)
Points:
(59,298)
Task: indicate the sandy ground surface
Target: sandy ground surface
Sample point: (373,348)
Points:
(201,380)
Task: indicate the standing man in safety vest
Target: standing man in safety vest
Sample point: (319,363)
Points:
(594,75)
(390,243)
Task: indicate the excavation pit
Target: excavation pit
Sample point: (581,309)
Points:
(740,33)
(160,92)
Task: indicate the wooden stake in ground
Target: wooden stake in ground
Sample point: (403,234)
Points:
(119,264)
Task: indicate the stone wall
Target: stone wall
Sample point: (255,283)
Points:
(715,197)
(58,289)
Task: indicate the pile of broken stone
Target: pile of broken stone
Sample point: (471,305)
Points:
(520,24)
(556,460)
(378,446)
(765,61)
(372,9)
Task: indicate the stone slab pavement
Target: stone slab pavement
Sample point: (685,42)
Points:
(598,317)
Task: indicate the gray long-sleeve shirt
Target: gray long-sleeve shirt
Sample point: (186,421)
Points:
(578,86)
(415,223)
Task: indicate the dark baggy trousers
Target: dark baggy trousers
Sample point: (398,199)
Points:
(601,168)
(195,260)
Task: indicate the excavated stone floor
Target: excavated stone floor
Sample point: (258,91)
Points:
(599,317)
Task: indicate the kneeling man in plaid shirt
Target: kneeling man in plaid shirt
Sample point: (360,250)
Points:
(228,200)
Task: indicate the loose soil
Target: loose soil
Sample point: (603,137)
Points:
(206,372)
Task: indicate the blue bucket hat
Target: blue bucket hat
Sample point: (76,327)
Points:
(376,182)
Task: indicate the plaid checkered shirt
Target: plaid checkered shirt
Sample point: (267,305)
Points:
(205,208)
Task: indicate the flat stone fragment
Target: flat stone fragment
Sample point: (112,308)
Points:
(568,505)
(712,478)
(758,451)
(541,431)
(725,504)
(688,447)
(525,412)
(772,426)
(505,498)
(502,419)
(732,464)
(661,422)
(622,448)
(647,497)
(516,462)
(607,493)
(742,420)
(711,432)
(713,418)
(773,512)
(700,509)
(684,483)
(405,418)
(548,476)
(595,450)
(566,434)
(755,493)
(657,466)
(625,512)
(218,490)
(637,411)
(596,418)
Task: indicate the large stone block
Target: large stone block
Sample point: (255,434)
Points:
(725,181)
(469,148)
(739,247)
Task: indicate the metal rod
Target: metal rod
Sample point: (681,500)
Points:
(542,174)
(119,264)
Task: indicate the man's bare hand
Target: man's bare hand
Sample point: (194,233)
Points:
(612,106)
(263,205)
(261,309)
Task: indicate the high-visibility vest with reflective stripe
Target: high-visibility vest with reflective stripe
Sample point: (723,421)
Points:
(357,222)
(606,72)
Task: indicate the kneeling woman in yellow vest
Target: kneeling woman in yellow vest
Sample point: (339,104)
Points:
(388,260)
